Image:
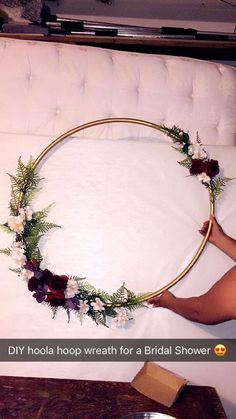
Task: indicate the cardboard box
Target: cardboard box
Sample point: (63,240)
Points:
(158,384)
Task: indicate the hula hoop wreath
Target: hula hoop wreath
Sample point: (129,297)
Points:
(72,293)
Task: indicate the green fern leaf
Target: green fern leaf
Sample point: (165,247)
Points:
(17,270)
(198,139)
(186,162)
(135,306)
(110,311)
(5,228)
(42,214)
(42,227)
(176,134)
(131,295)
(54,311)
(218,184)
(87,287)
(68,315)
(6,251)
(98,316)
(121,295)
(76,278)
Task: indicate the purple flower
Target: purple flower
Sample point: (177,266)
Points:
(40,295)
(72,303)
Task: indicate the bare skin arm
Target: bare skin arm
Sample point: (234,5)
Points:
(219,303)
(216,306)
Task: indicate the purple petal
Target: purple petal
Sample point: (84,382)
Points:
(72,303)
(38,274)
(40,296)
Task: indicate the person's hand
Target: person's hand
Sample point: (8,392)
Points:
(163,300)
(216,233)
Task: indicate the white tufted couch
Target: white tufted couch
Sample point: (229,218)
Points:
(127,209)
(49,88)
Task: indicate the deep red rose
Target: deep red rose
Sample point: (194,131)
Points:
(56,299)
(47,276)
(212,168)
(197,167)
(31,265)
(58,283)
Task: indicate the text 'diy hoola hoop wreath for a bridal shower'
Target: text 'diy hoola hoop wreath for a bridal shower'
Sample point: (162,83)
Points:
(73,293)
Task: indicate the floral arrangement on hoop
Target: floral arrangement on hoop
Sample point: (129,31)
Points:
(72,293)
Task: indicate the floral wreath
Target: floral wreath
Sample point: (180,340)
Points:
(72,293)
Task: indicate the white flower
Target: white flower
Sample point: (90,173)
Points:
(22,213)
(28,213)
(26,275)
(16,245)
(197,151)
(15,223)
(71,288)
(98,305)
(204,178)
(17,253)
(122,317)
(83,306)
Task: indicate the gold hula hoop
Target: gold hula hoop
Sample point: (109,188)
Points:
(159,128)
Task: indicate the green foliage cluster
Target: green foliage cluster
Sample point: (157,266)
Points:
(120,298)
(24,185)
(182,139)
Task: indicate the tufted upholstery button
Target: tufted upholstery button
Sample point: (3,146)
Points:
(191,94)
(82,84)
(57,111)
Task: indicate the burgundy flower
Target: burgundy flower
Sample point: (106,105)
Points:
(49,288)
(33,284)
(31,265)
(197,167)
(56,299)
(47,276)
(58,283)
(39,280)
(212,168)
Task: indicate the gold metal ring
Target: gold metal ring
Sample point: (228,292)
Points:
(159,128)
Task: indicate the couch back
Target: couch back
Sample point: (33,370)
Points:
(49,88)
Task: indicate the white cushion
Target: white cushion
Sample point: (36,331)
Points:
(49,88)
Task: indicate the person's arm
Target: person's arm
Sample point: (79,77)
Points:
(219,303)
(220,239)
(215,306)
